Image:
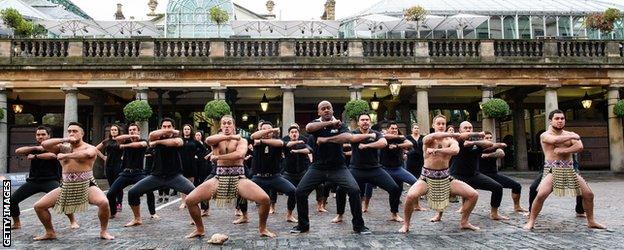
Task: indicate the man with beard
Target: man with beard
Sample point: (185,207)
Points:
(229,151)
(365,168)
(295,164)
(328,135)
(44,176)
(78,188)
(559,173)
(435,180)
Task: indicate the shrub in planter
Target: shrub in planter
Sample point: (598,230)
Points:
(138,111)
(618,110)
(495,108)
(1,113)
(215,109)
(354,108)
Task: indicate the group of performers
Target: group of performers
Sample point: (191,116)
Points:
(439,166)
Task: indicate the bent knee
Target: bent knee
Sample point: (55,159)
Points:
(588,195)
(264,200)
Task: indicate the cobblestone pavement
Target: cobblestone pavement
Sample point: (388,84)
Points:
(557,226)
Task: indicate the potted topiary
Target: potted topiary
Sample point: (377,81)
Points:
(214,110)
(354,108)
(618,109)
(138,111)
(495,108)
(1,113)
(415,14)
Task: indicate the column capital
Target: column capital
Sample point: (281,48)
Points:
(288,87)
(140,89)
(357,87)
(219,88)
(424,87)
(610,87)
(553,86)
(488,87)
(68,90)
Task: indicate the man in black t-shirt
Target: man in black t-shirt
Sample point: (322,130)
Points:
(132,170)
(365,168)
(328,135)
(167,168)
(267,154)
(44,176)
(466,164)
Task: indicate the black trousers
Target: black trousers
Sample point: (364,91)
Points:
(506,182)
(375,176)
(277,183)
(533,193)
(481,181)
(29,189)
(152,182)
(111,176)
(339,175)
(126,179)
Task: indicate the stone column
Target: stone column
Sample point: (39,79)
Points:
(288,108)
(71,107)
(488,124)
(219,92)
(422,109)
(355,92)
(520,153)
(616,145)
(142,94)
(4,133)
(550,101)
(98,114)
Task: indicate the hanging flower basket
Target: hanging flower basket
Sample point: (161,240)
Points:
(495,108)
(354,108)
(216,109)
(618,110)
(138,111)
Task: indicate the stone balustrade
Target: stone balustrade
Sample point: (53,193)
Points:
(249,52)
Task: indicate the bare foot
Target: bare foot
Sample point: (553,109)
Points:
(46,236)
(271,210)
(404,229)
(195,234)
(205,213)
(469,226)
(291,219)
(16,226)
(529,226)
(396,217)
(74,225)
(241,220)
(238,213)
(419,208)
(595,225)
(192,223)
(321,210)
(106,236)
(498,217)
(182,206)
(459,210)
(337,219)
(436,218)
(520,210)
(155,217)
(581,215)
(267,233)
(134,222)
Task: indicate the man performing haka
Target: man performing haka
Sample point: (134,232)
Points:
(466,164)
(229,152)
(78,188)
(44,176)
(365,168)
(133,148)
(166,169)
(296,162)
(328,135)
(559,174)
(435,180)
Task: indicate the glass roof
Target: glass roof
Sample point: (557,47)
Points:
(495,7)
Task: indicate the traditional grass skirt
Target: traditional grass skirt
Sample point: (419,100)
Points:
(228,177)
(74,195)
(439,187)
(564,178)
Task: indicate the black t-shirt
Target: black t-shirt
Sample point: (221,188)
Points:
(365,158)
(392,158)
(149,159)
(188,152)
(295,163)
(133,157)
(488,165)
(44,170)
(113,155)
(266,159)
(328,155)
(466,162)
(167,161)
(415,157)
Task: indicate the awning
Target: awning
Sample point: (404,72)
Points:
(74,28)
(462,21)
(290,29)
(129,28)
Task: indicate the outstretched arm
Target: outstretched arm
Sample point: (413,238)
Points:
(498,153)
(53,145)
(340,139)
(169,142)
(379,144)
(124,138)
(316,126)
(495,147)
(276,143)
(428,139)
(138,144)
(405,144)
(157,134)
(28,149)
(213,140)
(261,133)
(481,143)
(355,138)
